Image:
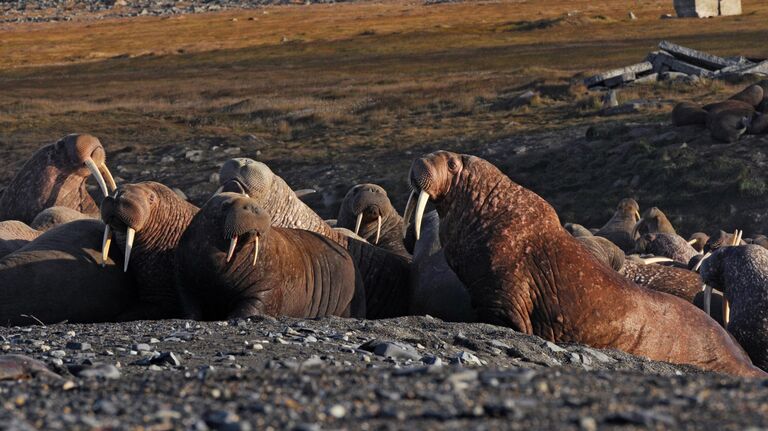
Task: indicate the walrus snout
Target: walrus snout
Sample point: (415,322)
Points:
(128,209)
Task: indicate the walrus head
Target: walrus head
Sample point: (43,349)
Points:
(654,220)
(246,176)
(55,176)
(431,178)
(241,219)
(697,241)
(630,208)
(364,204)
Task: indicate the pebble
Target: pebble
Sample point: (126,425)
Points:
(58,354)
(466,358)
(106,371)
(391,349)
(338,411)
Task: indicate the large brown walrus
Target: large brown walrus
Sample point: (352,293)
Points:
(55,176)
(146,220)
(59,277)
(367,211)
(524,271)
(386,275)
(232,263)
(741,273)
(51,217)
(620,228)
(729,119)
(668,245)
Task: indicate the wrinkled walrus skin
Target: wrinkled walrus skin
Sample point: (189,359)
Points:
(524,271)
(55,176)
(293,272)
(386,275)
(370,204)
(741,273)
(15,235)
(59,277)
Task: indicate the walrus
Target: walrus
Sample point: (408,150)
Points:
(577,230)
(233,263)
(385,274)
(604,250)
(653,221)
(15,235)
(55,176)
(60,277)
(721,239)
(687,114)
(697,240)
(437,291)
(524,271)
(741,273)
(760,240)
(619,229)
(752,95)
(366,209)
(146,220)
(55,216)
(668,245)
(729,119)
(661,278)
(758,125)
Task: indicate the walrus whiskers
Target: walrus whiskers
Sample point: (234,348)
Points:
(130,234)
(232,245)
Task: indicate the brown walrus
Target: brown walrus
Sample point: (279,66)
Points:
(668,245)
(15,235)
(55,176)
(687,114)
(524,271)
(367,211)
(232,263)
(741,273)
(147,220)
(620,228)
(728,120)
(386,275)
(697,240)
(653,221)
(55,216)
(59,276)
(752,95)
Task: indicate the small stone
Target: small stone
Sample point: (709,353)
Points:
(588,423)
(554,347)
(432,360)
(391,349)
(58,354)
(155,368)
(167,160)
(214,178)
(69,384)
(632,16)
(72,345)
(166,358)
(143,347)
(338,411)
(106,371)
(194,156)
(466,358)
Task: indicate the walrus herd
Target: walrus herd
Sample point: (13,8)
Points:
(493,252)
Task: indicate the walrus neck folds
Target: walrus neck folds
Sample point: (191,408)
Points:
(289,211)
(152,259)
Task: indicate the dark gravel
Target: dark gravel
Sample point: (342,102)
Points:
(330,373)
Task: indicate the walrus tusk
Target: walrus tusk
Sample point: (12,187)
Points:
(129,235)
(232,245)
(692,242)
(255,251)
(357,223)
(726,312)
(637,213)
(656,259)
(378,230)
(703,258)
(96,174)
(408,213)
(303,192)
(108,176)
(736,237)
(106,242)
(421,204)
(707,299)
(218,190)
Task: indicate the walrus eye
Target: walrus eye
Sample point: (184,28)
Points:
(452,165)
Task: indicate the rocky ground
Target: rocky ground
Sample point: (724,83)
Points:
(335,373)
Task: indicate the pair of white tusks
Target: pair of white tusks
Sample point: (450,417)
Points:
(421,204)
(708,289)
(222,188)
(130,235)
(360,221)
(233,244)
(96,172)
